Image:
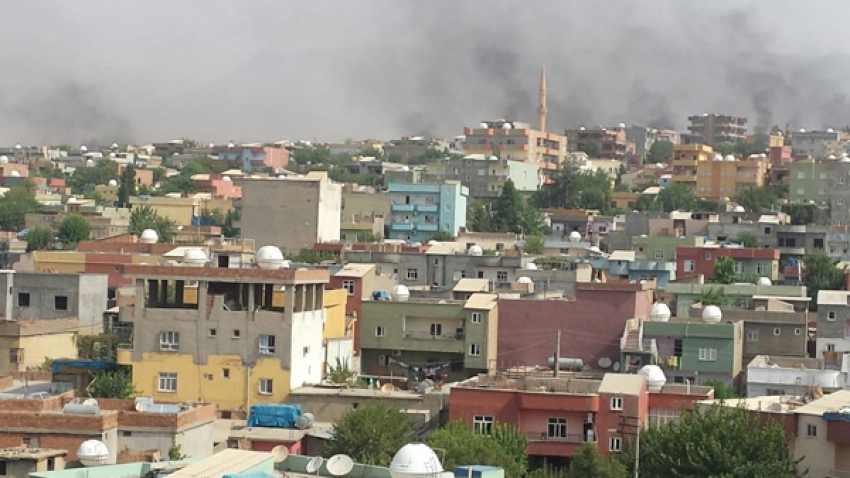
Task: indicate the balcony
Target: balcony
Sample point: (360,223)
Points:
(671,363)
(401,207)
(427,226)
(540,444)
(423,341)
(427,207)
(534,436)
(401,226)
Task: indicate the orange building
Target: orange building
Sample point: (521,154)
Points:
(516,141)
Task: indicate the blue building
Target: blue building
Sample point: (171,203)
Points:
(418,210)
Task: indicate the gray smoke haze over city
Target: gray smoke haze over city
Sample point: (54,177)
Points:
(215,70)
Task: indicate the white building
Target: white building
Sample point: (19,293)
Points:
(791,376)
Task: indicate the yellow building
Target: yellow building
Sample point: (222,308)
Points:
(335,323)
(107,192)
(624,201)
(719,179)
(256,335)
(26,344)
(516,141)
(685,160)
(179,209)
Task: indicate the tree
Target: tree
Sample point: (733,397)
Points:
(534,245)
(716,442)
(478,217)
(801,214)
(87,177)
(713,296)
(144,217)
(14,206)
(508,209)
(311,256)
(592,148)
(586,462)
(576,189)
(659,152)
(371,434)
(369,236)
(747,239)
(39,238)
(648,202)
(757,199)
(721,390)
(676,197)
(821,274)
(126,186)
(311,156)
(724,270)
(112,384)
(228,229)
(73,229)
(504,446)
(441,236)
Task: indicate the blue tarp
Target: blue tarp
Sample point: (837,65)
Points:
(274,415)
(61,365)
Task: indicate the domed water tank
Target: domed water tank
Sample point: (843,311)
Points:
(4,159)
(524,280)
(415,460)
(89,162)
(195,257)
(595,249)
(269,257)
(16,174)
(730,157)
(401,293)
(226,179)
(659,165)
(659,312)
(655,378)
(93,453)
(711,314)
(305,421)
(484,126)
(113,182)
(84,148)
(739,209)
(507,126)
(114,145)
(493,158)
(432,242)
(621,125)
(581,128)
(575,236)
(831,156)
(802,130)
(531,266)
(764,281)
(830,130)
(476,250)
(149,236)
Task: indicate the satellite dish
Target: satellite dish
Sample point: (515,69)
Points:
(604,362)
(616,366)
(340,465)
(314,464)
(388,388)
(279,453)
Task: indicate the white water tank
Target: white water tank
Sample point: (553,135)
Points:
(4,159)
(575,236)
(400,293)
(149,236)
(93,453)
(432,242)
(739,209)
(226,179)
(415,460)
(764,281)
(531,266)
(655,378)
(711,314)
(525,280)
(269,257)
(476,250)
(195,257)
(16,174)
(89,162)
(659,312)
(113,182)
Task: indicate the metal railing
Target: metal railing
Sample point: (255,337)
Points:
(428,336)
(537,436)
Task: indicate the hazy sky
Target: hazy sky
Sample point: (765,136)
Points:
(216,70)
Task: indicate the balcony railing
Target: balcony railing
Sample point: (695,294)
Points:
(428,336)
(568,438)
(672,362)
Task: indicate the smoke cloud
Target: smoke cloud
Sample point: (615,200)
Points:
(265,70)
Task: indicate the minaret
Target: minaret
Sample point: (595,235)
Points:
(541,108)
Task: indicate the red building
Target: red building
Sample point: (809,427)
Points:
(560,414)
(591,325)
(693,261)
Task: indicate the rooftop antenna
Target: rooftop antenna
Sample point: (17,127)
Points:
(314,465)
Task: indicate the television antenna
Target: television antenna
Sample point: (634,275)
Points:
(339,465)
(314,465)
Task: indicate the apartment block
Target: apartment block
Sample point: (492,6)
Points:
(749,262)
(513,140)
(233,337)
(417,211)
(360,281)
(833,338)
(686,158)
(819,144)
(612,142)
(250,157)
(839,189)
(714,129)
(809,180)
(485,176)
(725,179)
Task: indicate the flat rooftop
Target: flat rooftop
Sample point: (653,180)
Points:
(24,453)
(356,393)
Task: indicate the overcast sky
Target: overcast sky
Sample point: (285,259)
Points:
(220,70)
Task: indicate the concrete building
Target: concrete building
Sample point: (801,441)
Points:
(421,339)
(749,262)
(485,176)
(359,282)
(363,202)
(725,179)
(819,144)
(558,414)
(513,140)
(103,221)
(642,137)
(682,295)
(662,247)
(417,211)
(833,336)
(292,213)
(839,197)
(809,180)
(712,129)
(184,211)
(250,157)
(20,461)
(771,375)
(624,265)
(612,142)
(686,158)
(230,336)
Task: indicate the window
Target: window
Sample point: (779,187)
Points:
(690,266)
(436,329)
(348,285)
(708,256)
(501,277)
(662,416)
(167,382)
(475,350)
(840,201)
(761,268)
(16,355)
(266,386)
(615,444)
(840,180)
(777,331)
(60,302)
(237,333)
(830,315)
(739,267)
(267,344)
(767,230)
(811,430)
(212,333)
(557,428)
(798,331)
(225,373)
(482,424)
(383,360)
(380,331)
(659,254)
(616,403)
(412,274)
(477,317)
(708,354)
(23,299)
(305,351)
(830,347)
(752,336)
(801,175)
(169,341)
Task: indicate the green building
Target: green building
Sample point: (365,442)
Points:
(662,248)
(684,294)
(421,338)
(809,181)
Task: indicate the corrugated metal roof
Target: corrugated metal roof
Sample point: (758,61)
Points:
(621,383)
(628,256)
(833,297)
(226,461)
(472,285)
(355,270)
(481,301)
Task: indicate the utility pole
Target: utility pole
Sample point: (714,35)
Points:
(627,428)
(637,455)
(558,354)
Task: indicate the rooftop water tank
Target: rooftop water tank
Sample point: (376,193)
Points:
(764,281)
(655,378)
(476,250)
(567,363)
(195,257)
(415,460)
(575,236)
(659,165)
(226,179)
(401,293)
(269,257)
(16,174)
(730,157)
(4,159)
(149,236)
(531,266)
(524,280)
(659,312)
(711,314)
(305,421)
(93,453)
(432,242)
(113,182)
(89,162)
(484,125)
(739,209)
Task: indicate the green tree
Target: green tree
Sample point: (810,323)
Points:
(659,152)
(576,189)
(371,434)
(592,148)
(144,217)
(724,270)
(677,197)
(587,462)
(311,156)
(718,442)
(648,202)
(478,217)
(87,177)
(369,236)
(721,390)
(15,205)
(74,228)
(821,274)
(504,446)
(508,209)
(748,239)
(39,238)
(801,214)
(112,384)
(311,256)
(713,296)
(230,218)
(441,236)
(534,245)
(126,186)
(757,199)
(372,153)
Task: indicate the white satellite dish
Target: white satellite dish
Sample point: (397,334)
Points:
(314,465)
(616,366)
(340,465)
(604,362)
(280,453)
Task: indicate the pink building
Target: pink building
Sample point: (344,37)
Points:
(219,186)
(250,157)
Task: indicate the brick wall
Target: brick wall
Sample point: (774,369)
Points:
(7,382)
